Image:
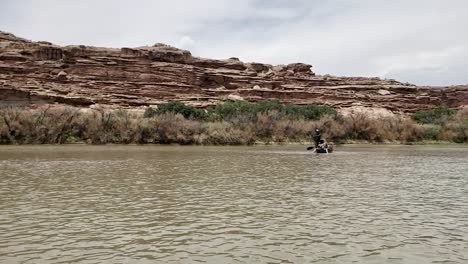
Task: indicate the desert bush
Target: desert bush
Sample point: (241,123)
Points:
(410,132)
(177,108)
(55,126)
(396,128)
(359,126)
(172,128)
(291,130)
(125,126)
(8,125)
(223,133)
(263,126)
(459,126)
(461,136)
(40,126)
(244,123)
(98,127)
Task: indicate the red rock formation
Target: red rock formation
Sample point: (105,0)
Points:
(34,73)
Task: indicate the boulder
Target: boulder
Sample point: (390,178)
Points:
(383,92)
(257,67)
(235,97)
(300,68)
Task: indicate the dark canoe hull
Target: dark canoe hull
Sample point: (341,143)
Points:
(321,150)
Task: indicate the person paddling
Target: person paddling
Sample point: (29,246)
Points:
(317,137)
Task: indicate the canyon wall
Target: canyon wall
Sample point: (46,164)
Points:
(37,73)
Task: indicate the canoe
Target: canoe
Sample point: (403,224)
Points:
(322,150)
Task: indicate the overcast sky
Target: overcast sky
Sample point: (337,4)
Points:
(418,41)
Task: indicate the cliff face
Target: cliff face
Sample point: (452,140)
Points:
(34,73)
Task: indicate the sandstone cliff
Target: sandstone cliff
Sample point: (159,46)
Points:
(35,73)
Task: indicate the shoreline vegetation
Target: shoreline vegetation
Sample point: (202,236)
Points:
(229,123)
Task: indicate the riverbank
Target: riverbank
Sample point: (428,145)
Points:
(261,144)
(229,124)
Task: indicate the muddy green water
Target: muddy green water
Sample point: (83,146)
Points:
(281,204)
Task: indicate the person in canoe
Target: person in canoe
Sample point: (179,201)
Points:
(317,137)
(320,145)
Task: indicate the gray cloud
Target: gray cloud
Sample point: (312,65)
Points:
(419,41)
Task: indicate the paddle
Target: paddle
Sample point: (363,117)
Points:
(309,148)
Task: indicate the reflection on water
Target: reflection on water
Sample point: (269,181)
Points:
(158,204)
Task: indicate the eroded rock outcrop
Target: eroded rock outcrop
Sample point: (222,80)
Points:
(34,73)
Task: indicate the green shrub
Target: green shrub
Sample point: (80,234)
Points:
(308,112)
(432,132)
(438,115)
(242,112)
(230,110)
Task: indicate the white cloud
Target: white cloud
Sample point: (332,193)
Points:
(420,41)
(424,59)
(185,42)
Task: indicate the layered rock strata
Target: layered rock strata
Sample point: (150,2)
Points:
(36,73)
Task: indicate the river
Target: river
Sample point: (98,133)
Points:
(261,204)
